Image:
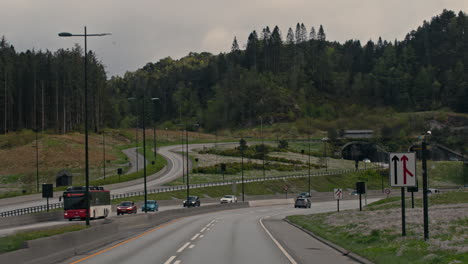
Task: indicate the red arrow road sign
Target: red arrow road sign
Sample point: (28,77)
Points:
(405,169)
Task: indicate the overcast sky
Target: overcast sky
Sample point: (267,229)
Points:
(147,30)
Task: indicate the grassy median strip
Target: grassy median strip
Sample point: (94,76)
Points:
(16,241)
(376,233)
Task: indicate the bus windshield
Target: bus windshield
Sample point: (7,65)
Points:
(74,203)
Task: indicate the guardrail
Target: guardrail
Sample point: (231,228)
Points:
(42,208)
(30,210)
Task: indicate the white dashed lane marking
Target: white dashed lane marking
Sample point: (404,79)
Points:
(183,247)
(170,260)
(195,236)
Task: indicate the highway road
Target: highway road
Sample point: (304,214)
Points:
(248,235)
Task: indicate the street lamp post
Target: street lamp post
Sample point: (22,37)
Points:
(85,35)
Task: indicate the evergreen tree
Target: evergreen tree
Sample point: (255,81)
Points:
(290,37)
(312,35)
(235,46)
(321,34)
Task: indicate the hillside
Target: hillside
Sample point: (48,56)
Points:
(277,78)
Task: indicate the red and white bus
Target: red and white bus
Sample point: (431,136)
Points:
(74,203)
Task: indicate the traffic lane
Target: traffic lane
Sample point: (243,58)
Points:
(166,243)
(156,245)
(235,237)
(303,247)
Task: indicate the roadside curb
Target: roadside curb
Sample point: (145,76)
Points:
(343,251)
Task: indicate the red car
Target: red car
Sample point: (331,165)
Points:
(127,207)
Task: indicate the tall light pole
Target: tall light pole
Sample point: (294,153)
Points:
(85,35)
(154,99)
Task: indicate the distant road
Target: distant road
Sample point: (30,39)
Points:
(238,236)
(172,171)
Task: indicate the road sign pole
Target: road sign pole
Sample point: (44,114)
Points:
(403,225)
(412,199)
(338,205)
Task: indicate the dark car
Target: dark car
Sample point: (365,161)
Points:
(151,205)
(303,202)
(127,207)
(192,201)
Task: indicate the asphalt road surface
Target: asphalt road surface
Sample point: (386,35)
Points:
(248,235)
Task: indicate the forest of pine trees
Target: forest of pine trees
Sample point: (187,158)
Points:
(278,78)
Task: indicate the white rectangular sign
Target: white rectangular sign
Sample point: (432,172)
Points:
(403,169)
(338,193)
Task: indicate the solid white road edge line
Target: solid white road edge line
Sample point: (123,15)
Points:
(183,247)
(203,229)
(195,236)
(277,243)
(177,262)
(170,260)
